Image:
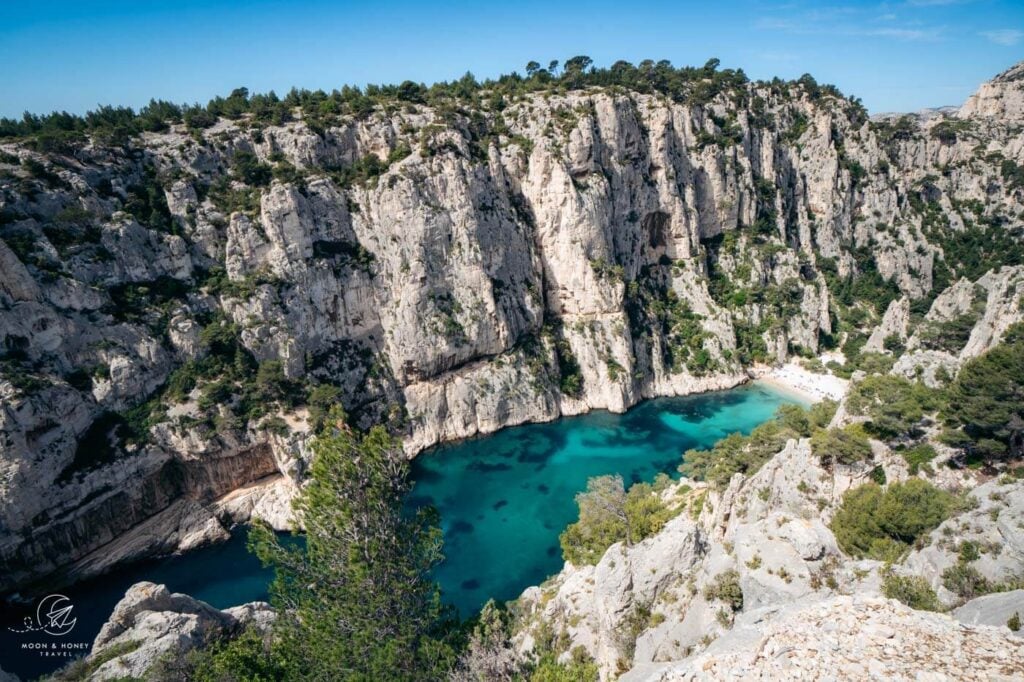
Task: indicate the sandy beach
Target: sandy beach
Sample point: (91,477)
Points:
(808,385)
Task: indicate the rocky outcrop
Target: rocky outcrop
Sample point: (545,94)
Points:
(895,324)
(575,250)
(995,526)
(150,624)
(1001,99)
(985,309)
(996,610)
(850,638)
(647,607)
(770,529)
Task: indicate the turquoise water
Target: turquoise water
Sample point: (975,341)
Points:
(504,498)
(503,501)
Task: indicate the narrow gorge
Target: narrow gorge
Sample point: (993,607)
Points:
(181,305)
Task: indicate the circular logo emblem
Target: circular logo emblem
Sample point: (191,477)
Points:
(54,615)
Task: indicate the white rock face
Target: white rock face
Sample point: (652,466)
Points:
(1003,308)
(894,323)
(150,623)
(593,248)
(993,609)
(996,526)
(850,638)
(769,528)
(1001,99)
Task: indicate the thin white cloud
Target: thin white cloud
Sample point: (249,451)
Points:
(912,34)
(1004,36)
(936,3)
(815,25)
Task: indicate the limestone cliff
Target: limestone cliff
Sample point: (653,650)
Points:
(168,303)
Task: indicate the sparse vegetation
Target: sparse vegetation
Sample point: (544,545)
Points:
(745,454)
(726,588)
(914,591)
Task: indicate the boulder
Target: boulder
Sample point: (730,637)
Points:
(150,622)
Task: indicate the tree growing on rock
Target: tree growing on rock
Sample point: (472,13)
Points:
(882,524)
(489,656)
(610,514)
(987,398)
(355,601)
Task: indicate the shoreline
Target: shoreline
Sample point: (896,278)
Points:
(785,388)
(794,379)
(780,379)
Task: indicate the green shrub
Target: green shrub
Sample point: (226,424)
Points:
(579,668)
(147,202)
(914,591)
(873,363)
(609,514)
(247,656)
(246,168)
(726,588)
(895,406)
(894,344)
(969,552)
(805,421)
(951,335)
(987,398)
(918,457)
(878,523)
(320,401)
(229,199)
(964,580)
(570,376)
(848,445)
(83,668)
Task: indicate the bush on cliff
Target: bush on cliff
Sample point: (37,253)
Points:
(737,453)
(987,400)
(877,523)
(609,514)
(726,588)
(848,445)
(912,590)
(894,406)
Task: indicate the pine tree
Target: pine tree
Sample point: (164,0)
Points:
(355,601)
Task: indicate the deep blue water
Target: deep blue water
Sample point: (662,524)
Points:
(503,500)
(222,575)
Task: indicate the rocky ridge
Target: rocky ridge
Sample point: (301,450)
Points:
(852,638)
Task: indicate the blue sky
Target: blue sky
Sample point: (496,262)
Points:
(896,56)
